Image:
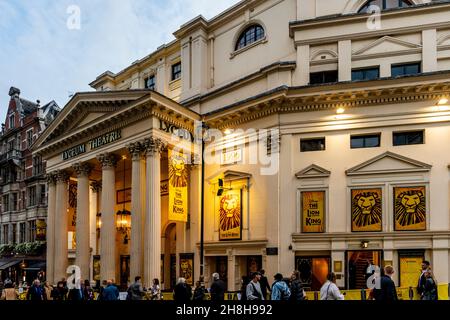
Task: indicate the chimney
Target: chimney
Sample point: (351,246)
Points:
(14,92)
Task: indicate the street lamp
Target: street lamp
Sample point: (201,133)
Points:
(204,135)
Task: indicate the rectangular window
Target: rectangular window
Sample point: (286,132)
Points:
(316,144)
(323,77)
(365,74)
(6,203)
(29,138)
(407,138)
(42,194)
(5,234)
(150,83)
(405,69)
(366,141)
(14,203)
(32,196)
(22,232)
(176,71)
(14,233)
(32,227)
(24,204)
(12,121)
(12,145)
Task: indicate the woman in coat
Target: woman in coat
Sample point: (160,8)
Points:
(9,293)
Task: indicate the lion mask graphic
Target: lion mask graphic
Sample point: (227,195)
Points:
(230,209)
(366,209)
(410,208)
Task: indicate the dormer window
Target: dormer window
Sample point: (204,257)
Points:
(385,4)
(250,35)
(12,121)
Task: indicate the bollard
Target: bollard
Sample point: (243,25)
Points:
(411,293)
(363,294)
(316,295)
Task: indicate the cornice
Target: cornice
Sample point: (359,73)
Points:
(347,236)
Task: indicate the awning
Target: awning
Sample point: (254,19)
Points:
(5,264)
(36,266)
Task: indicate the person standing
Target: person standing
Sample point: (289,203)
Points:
(135,291)
(217,288)
(330,290)
(199,292)
(181,292)
(9,292)
(430,291)
(387,291)
(155,290)
(254,292)
(280,290)
(296,288)
(110,293)
(422,278)
(264,282)
(36,292)
(88,292)
(48,290)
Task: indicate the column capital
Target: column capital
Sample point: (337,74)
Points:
(62,176)
(108,160)
(96,186)
(136,149)
(154,145)
(82,169)
(51,178)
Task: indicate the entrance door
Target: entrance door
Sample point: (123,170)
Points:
(410,267)
(357,267)
(222,268)
(173,270)
(313,271)
(124,272)
(254,264)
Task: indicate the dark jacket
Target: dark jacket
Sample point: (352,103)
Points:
(75,295)
(430,290)
(136,291)
(265,286)
(296,291)
(218,290)
(110,293)
(36,293)
(421,285)
(199,294)
(387,291)
(182,292)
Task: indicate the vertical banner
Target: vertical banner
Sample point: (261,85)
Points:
(187,267)
(178,186)
(367,210)
(230,215)
(313,211)
(410,208)
(41,227)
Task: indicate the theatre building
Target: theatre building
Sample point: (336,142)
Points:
(328,149)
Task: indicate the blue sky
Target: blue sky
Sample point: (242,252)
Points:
(48,61)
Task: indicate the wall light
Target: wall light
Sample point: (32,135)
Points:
(364,244)
(340,110)
(442,101)
(228,131)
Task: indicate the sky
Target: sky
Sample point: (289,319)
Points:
(50,49)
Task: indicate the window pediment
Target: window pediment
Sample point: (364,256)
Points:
(313,171)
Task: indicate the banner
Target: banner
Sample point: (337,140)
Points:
(313,211)
(410,208)
(187,267)
(41,227)
(178,187)
(367,210)
(230,213)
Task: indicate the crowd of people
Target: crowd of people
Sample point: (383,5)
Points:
(253,288)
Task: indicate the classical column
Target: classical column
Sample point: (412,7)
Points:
(82,228)
(108,229)
(61,225)
(50,233)
(152,225)
(137,210)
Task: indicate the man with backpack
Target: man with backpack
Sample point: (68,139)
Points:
(297,291)
(280,290)
(135,291)
(254,288)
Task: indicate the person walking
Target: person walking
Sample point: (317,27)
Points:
(218,288)
(330,290)
(181,292)
(422,278)
(199,292)
(254,292)
(430,291)
(297,291)
(136,291)
(48,290)
(110,293)
(264,283)
(60,292)
(88,292)
(36,292)
(387,291)
(280,290)
(9,292)
(155,290)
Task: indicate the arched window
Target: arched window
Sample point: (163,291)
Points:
(248,36)
(386,4)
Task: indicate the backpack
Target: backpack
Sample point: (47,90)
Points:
(129,293)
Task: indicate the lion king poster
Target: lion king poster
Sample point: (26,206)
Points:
(178,186)
(367,210)
(313,211)
(410,208)
(187,267)
(230,213)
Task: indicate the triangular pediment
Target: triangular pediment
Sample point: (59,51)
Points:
(386,44)
(444,40)
(229,175)
(388,163)
(313,171)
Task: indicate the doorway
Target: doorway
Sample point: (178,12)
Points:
(124,272)
(410,267)
(358,270)
(170,264)
(313,271)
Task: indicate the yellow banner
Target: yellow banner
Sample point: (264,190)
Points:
(178,187)
(41,228)
(313,211)
(410,208)
(230,213)
(367,210)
